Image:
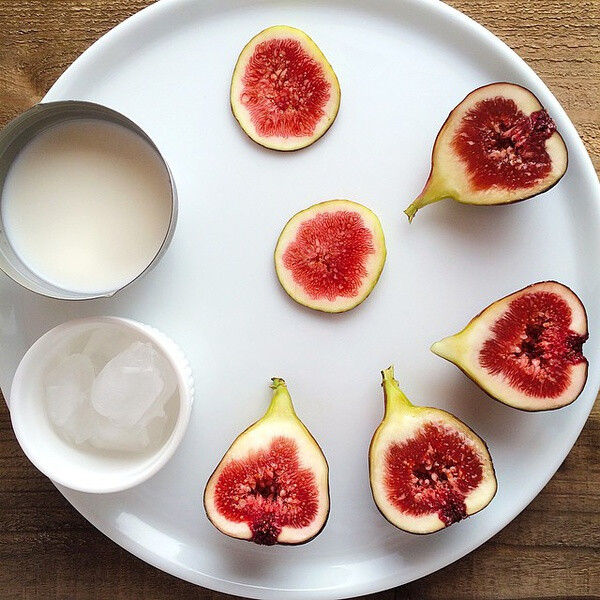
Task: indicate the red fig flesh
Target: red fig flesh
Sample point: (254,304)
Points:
(427,469)
(525,350)
(272,485)
(284,93)
(330,256)
(498,146)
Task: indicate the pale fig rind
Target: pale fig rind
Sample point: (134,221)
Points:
(327,112)
(280,422)
(372,264)
(450,177)
(464,349)
(402,423)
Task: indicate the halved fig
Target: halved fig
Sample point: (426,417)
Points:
(330,256)
(525,350)
(427,469)
(498,146)
(284,93)
(272,485)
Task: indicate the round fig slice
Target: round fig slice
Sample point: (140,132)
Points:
(498,146)
(272,485)
(427,469)
(330,256)
(525,350)
(284,93)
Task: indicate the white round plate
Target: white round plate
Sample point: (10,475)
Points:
(402,66)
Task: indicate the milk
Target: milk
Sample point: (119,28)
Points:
(86,205)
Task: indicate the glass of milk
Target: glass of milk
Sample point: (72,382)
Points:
(87,202)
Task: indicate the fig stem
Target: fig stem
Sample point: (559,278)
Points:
(434,191)
(281,402)
(395,398)
(449,348)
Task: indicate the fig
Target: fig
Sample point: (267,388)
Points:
(526,349)
(272,484)
(284,93)
(330,256)
(498,146)
(427,469)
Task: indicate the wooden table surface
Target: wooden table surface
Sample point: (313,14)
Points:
(47,550)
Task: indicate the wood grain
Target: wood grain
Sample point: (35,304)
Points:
(47,550)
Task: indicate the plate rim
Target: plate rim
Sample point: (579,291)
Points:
(575,146)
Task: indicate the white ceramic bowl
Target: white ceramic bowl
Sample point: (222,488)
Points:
(77,466)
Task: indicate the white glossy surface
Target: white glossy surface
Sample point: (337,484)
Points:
(402,67)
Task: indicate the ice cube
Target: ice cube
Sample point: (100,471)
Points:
(169,379)
(108,436)
(112,395)
(68,387)
(103,344)
(82,424)
(128,385)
